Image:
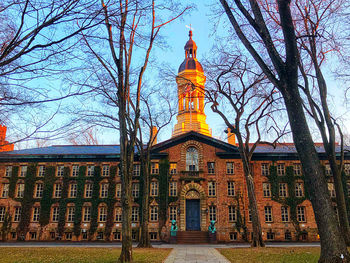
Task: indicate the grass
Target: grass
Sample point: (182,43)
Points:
(272,255)
(78,255)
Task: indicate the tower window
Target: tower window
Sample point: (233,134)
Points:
(192,159)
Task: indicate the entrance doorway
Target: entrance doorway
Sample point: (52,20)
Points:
(192,215)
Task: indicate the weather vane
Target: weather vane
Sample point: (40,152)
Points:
(190,27)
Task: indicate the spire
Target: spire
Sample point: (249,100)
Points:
(190,47)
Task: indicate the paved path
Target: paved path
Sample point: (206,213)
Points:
(195,254)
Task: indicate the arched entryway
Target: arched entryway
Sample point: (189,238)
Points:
(192,208)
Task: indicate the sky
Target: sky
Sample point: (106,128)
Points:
(176,35)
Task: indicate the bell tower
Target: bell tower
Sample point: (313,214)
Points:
(190,89)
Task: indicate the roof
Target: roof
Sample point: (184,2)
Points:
(190,63)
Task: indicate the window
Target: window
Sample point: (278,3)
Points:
(135,190)
(53,235)
(39,190)
(288,235)
(17,216)
(137,170)
(231,188)
(88,190)
(283,190)
(24,170)
(119,170)
(192,159)
(299,189)
(60,171)
(73,190)
(32,235)
(211,189)
(172,189)
(153,213)
(284,214)
(270,235)
(105,170)
(281,170)
(347,168)
(211,168)
(100,235)
(265,169)
(90,170)
(104,190)
(2,213)
(173,168)
(41,171)
(20,190)
(328,170)
(154,188)
(5,190)
(36,213)
(68,235)
(249,215)
(232,213)
(70,214)
(55,214)
(230,168)
(331,189)
(153,235)
(57,191)
(297,169)
(233,236)
(118,190)
(118,214)
(86,214)
(268,213)
(267,189)
(301,214)
(117,236)
(155,168)
(212,213)
(102,214)
(172,213)
(134,235)
(75,170)
(8,172)
(135,214)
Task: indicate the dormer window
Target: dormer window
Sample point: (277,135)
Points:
(192,159)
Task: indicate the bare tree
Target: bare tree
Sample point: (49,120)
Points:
(280,65)
(246,103)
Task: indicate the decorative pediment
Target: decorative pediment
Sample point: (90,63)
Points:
(192,194)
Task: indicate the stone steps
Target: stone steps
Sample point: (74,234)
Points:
(192,237)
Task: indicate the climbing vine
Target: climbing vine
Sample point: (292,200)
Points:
(27,202)
(13,182)
(46,200)
(95,200)
(79,200)
(63,202)
(291,200)
(110,202)
(163,190)
(241,222)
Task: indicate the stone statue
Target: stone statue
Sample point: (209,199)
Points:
(212,228)
(173,230)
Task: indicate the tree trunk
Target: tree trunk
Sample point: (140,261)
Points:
(257,240)
(144,238)
(332,242)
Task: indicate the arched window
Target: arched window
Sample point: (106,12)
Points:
(192,159)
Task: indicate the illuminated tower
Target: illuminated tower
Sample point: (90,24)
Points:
(190,89)
(4,145)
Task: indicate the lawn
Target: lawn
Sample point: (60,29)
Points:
(78,255)
(272,255)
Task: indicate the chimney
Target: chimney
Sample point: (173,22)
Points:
(231,138)
(154,131)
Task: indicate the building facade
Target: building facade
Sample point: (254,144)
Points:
(74,192)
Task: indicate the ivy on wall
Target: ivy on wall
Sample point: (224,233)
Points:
(110,202)
(291,200)
(79,200)
(27,202)
(46,200)
(95,200)
(241,223)
(63,202)
(163,190)
(13,182)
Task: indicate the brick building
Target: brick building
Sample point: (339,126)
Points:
(73,192)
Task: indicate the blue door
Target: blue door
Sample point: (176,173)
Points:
(192,214)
